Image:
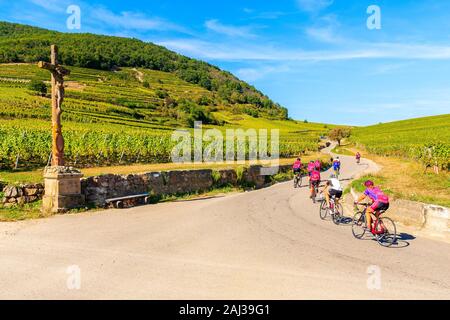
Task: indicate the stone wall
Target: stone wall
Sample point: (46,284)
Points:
(22,194)
(98,189)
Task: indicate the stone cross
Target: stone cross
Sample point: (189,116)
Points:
(58,74)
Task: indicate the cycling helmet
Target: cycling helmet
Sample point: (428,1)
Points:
(368,183)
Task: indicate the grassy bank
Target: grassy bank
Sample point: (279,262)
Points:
(405,179)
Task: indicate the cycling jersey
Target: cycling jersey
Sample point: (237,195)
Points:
(311,167)
(317,164)
(336,164)
(335,184)
(297,165)
(376,195)
(315,175)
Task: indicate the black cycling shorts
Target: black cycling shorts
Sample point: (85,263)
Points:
(380,206)
(297,170)
(335,193)
(314,183)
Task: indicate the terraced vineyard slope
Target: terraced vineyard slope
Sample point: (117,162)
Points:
(423,139)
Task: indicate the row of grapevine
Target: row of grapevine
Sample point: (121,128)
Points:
(84,148)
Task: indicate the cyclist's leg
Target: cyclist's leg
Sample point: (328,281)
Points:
(337,197)
(370,210)
(327,198)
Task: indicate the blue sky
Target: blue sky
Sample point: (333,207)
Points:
(315,57)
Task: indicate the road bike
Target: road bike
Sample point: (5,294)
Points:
(315,190)
(382,229)
(297,180)
(335,210)
(337,172)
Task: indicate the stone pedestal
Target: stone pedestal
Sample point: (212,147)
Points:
(62,189)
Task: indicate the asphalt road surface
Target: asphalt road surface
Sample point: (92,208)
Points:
(265,244)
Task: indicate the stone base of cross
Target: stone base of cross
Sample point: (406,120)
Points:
(62,189)
(62,184)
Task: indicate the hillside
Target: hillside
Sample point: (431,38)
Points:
(426,139)
(26,44)
(119,117)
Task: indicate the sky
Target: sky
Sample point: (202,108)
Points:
(318,58)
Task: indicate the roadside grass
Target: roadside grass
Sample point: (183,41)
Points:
(342,150)
(404,179)
(35,176)
(214,192)
(26,211)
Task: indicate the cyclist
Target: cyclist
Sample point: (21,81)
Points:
(337,165)
(317,164)
(297,167)
(332,188)
(314,181)
(358,157)
(311,167)
(380,201)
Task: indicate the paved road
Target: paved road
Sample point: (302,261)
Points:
(265,244)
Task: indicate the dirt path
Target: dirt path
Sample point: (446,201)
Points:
(139,75)
(265,244)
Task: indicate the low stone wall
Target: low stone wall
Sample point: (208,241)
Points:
(98,189)
(14,195)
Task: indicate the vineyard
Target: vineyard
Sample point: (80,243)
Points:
(28,144)
(426,140)
(120,117)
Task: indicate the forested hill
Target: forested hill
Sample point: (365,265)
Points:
(22,43)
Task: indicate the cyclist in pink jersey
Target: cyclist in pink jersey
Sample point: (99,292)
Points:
(380,201)
(314,181)
(311,167)
(297,166)
(317,165)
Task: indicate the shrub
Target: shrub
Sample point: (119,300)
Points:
(38,87)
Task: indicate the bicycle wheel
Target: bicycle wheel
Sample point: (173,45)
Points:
(337,216)
(323,210)
(358,226)
(389,237)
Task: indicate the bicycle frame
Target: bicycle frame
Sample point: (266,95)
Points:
(375,222)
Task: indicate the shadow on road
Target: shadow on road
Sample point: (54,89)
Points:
(402,240)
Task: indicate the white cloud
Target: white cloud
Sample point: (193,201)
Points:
(131,20)
(266,52)
(325,34)
(256,73)
(314,5)
(54,6)
(232,31)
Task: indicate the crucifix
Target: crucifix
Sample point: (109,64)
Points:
(58,73)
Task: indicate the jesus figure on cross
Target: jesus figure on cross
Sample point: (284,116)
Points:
(58,73)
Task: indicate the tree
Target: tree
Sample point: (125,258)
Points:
(38,87)
(337,134)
